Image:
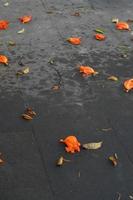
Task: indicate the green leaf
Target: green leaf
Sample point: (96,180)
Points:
(99,31)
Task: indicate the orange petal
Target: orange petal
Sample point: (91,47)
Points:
(99,36)
(3,59)
(74,40)
(3,24)
(25,19)
(87,70)
(72,144)
(122,26)
(128,84)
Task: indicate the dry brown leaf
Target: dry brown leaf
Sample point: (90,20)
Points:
(27,117)
(25,70)
(113,78)
(11,43)
(93,145)
(114,159)
(61,161)
(77,14)
(56,87)
(115,20)
(21,31)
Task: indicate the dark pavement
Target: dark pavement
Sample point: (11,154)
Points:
(82,106)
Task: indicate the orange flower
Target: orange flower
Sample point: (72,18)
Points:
(74,40)
(3,24)
(122,26)
(100,36)
(86,70)
(3,59)
(72,144)
(25,19)
(128,84)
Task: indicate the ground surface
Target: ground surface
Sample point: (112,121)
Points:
(82,106)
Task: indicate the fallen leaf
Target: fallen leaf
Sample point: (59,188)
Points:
(21,31)
(122,26)
(25,70)
(51,61)
(113,78)
(100,37)
(72,144)
(114,159)
(6,4)
(128,85)
(27,117)
(3,59)
(106,129)
(93,145)
(115,20)
(56,87)
(86,70)
(77,14)
(11,43)
(61,161)
(1,161)
(29,114)
(4,24)
(25,19)
(74,40)
(99,31)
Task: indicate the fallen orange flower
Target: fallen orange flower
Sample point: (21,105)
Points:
(3,59)
(128,84)
(99,36)
(122,26)
(74,40)
(72,144)
(25,19)
(3,24)
(86,70)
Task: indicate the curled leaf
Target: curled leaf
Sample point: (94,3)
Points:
(3,59)
(115,20)
(100,37)
(1,161)
(72,144)
(29,114)
(6,4)
(11,43)
(74,40)
(122,26)
(114,159)
(25,70)
(113,78)
(4,24)
(99,31)
(76,13)
(61,161)
(25,19)
(56,87)
(21,31)
(86,70)
(93,145)
(128,85)
(27,117)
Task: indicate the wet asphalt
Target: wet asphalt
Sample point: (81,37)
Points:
(91,108)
